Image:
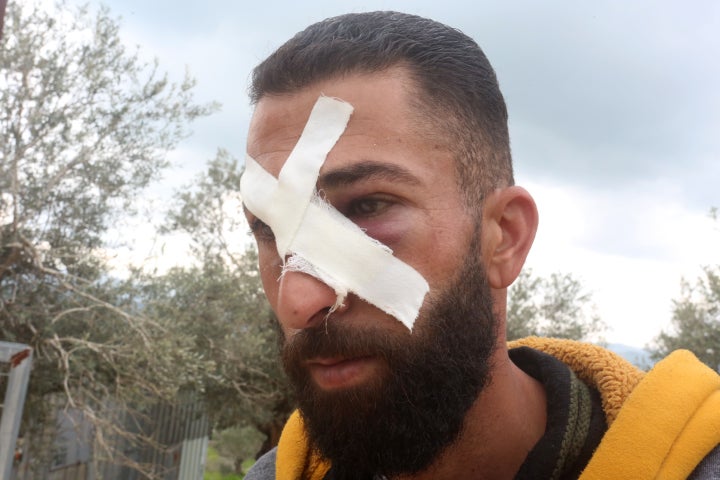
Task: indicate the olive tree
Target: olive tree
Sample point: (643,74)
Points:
(555,306)
(219,300)
(695,322)
(85,126)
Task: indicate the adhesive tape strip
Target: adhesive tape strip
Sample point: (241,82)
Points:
(341,254)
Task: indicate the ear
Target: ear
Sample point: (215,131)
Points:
(509,223)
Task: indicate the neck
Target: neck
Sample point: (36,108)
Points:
(503,425)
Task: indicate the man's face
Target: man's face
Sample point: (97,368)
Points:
(414,405)
(395,180)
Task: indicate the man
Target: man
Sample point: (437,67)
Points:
(379,188)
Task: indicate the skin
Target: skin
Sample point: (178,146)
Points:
(396,179)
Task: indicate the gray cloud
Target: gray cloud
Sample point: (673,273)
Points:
(601,95)
(614,109)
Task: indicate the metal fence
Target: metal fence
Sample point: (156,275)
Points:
(67,449)
(15,363)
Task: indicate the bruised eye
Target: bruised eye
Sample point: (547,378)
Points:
(367,207)
(261,231)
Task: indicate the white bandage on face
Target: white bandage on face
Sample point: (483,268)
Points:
(318,239)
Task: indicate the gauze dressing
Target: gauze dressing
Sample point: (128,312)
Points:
(312,237)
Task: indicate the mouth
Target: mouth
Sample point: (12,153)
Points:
(336,373)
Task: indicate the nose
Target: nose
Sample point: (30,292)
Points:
(304,301)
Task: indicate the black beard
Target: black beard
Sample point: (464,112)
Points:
(405,418)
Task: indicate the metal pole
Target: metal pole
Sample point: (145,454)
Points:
(20,359)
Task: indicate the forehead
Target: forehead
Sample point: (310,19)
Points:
(384,117)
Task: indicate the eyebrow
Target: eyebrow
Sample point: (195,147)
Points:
(366,170)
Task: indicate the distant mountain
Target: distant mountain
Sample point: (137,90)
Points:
(637,356)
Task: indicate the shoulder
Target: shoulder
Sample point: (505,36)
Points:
(709,468)
(264,468)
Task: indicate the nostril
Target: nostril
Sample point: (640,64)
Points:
(304,300)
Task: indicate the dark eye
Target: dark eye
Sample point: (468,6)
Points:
(368,207)
(261,231)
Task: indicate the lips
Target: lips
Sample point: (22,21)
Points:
(334,373)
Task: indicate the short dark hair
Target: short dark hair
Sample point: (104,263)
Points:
(459,91)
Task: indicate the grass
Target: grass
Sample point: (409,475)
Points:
(214,467)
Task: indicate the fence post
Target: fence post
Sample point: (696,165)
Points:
(19,358)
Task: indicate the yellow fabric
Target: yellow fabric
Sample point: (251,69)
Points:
(294,459)
(613,376)
(701,430)
(655,429)
(662,431)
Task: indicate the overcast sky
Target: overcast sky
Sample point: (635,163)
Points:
(614,122)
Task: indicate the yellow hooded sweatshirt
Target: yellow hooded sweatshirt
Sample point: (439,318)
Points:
(661,424)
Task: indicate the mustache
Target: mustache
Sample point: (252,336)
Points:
(335,339)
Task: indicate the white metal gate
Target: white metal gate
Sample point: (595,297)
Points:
(15,363)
